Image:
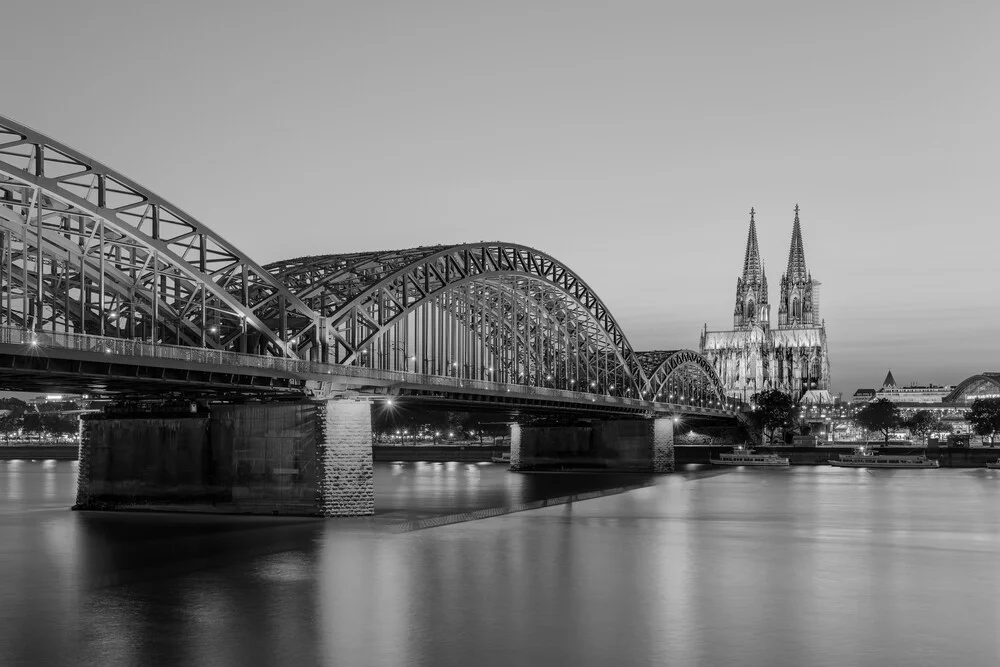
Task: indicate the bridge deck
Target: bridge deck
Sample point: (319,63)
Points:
(45,361)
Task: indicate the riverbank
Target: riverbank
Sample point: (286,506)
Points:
(947,457)
(39,452)
(442,453)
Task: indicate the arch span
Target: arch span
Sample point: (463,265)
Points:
(87,250)
(680,375)
(977,386)
(495,311)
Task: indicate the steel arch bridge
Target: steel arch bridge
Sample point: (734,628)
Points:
(981,385)
(87,251)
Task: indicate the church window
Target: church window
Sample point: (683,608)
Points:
(796,308)
(750,309)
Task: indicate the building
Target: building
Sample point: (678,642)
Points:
(912,393)
(792,357)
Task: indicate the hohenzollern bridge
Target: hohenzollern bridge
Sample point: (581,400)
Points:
(109,288)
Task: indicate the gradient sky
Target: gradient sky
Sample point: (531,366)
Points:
(629,140)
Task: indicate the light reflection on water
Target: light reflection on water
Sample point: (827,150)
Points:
(803,566)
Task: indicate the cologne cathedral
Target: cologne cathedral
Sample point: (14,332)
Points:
(754,357)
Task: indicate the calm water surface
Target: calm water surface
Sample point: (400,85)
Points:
(803,566)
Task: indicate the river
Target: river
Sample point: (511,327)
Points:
(798,566)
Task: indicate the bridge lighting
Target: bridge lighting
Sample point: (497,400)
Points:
(34,343)
(388,401)
(107,350)
(548,377)
(593,384)
(413,358)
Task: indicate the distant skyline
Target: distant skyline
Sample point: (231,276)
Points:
(627,139)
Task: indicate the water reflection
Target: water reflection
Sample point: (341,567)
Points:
(803,566)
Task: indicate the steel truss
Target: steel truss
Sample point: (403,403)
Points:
(983,383)
(487,311)
(682,376)
(84,249)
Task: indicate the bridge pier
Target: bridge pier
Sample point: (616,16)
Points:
(311,458)
(346,485)
(629,445)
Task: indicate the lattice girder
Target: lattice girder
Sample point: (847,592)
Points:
(364,297)
(175,266)
(671,373)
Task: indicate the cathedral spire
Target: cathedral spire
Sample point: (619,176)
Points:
(796,254)
(751,289)
(753,269)
(799,301)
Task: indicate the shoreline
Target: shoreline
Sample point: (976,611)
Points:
(948,457)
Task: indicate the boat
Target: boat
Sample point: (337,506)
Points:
(865,457)
(501,458)
(993,465)
(747,457)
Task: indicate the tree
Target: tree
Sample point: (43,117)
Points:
(774,410)
(923,423)
(984,417)
(880,415)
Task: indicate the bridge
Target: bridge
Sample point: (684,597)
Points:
(108,288)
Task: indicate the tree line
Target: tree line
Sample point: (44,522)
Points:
(775,412)
(16,417)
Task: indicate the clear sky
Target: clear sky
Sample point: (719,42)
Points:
(627,139)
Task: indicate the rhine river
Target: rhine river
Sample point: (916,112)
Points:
(801,566)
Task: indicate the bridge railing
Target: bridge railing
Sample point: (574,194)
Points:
(137,348)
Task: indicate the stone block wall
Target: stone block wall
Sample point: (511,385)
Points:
(663,444)
(346,485)
(515,446)
(304,458)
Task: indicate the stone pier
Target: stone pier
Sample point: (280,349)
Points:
(311,458)
(636,445)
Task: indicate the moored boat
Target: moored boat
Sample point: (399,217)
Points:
(747,457)
(993,465)
(863,457)
(501,458)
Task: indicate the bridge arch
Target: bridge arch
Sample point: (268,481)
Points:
(982,385)
(488,311)
(682,376)
(87,250)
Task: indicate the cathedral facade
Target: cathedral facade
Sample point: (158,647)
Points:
(753,356)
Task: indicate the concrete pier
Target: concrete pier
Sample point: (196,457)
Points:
(311,458)
(627,445)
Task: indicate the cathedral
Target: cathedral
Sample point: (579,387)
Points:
(754,357)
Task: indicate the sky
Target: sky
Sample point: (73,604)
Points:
(629,140)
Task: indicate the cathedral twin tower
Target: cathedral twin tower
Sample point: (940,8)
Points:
(753,357)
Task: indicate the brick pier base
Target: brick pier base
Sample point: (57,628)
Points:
(345,484)
(663,444)
(311,458)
